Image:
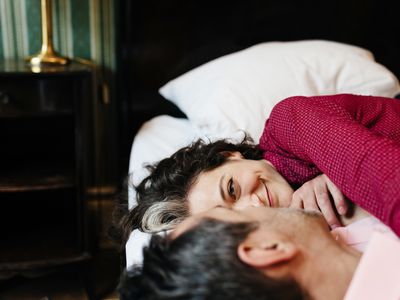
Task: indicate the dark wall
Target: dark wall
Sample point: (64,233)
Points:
(158,40)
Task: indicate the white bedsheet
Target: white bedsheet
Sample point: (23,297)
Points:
(156,139)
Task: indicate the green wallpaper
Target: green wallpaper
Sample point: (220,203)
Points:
(81,28)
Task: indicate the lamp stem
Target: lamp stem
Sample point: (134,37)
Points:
(47,54)
(47,25)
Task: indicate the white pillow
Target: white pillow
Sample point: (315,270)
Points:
(158,138)
(237,91)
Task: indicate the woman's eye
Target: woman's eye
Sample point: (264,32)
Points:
(231,189)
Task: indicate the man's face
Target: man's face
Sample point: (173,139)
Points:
(289,221)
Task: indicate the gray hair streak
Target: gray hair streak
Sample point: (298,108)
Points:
(163,215)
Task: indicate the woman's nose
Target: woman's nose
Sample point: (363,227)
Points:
(255,200)
(249,183)
(251,200)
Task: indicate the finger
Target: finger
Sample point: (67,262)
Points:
(325,205)
(338,198)
(310,202)
(297,202)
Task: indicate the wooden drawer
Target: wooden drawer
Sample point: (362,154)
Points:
(35,94)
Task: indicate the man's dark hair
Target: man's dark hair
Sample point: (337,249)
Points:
(161,196)
(202,264)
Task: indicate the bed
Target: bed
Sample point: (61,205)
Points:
(190,69)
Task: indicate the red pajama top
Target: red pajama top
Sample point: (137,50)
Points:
(354,140)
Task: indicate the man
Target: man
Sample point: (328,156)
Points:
(262,253)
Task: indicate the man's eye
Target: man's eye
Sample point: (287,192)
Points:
(231,189)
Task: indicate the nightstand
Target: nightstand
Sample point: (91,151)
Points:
(46,158)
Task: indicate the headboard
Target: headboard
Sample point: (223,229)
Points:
(158,40)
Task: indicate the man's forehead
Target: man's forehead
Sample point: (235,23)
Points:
(285,219)
(216,213)
(184,226)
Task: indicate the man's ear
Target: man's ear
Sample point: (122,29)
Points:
(262,254)
(232,154)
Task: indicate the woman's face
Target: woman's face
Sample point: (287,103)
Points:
(239,183)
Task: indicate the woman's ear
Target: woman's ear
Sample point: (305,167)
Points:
(262,254)
(232,154)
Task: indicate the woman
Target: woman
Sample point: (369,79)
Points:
(307,142)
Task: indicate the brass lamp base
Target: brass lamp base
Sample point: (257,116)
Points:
(47,58)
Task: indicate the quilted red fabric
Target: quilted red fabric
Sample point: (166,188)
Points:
(353,139)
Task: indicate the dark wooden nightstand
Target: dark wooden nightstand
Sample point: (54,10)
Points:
(46,158)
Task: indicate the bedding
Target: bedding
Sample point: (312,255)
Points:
(236,92)
(156,139)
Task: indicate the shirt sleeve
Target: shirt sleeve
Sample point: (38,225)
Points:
(354,140)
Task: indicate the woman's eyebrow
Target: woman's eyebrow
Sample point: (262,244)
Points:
(223,207)
(221,187)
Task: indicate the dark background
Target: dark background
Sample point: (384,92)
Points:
(158,40)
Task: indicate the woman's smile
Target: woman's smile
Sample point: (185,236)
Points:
(237,184)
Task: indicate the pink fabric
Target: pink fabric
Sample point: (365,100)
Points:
(378,273)
(359,233)
(344,136)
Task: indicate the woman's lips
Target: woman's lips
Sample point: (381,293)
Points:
(268,196)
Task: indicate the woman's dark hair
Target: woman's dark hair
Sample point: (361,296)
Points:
(161,196)
(202,263)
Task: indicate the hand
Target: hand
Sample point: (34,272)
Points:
(316,194)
